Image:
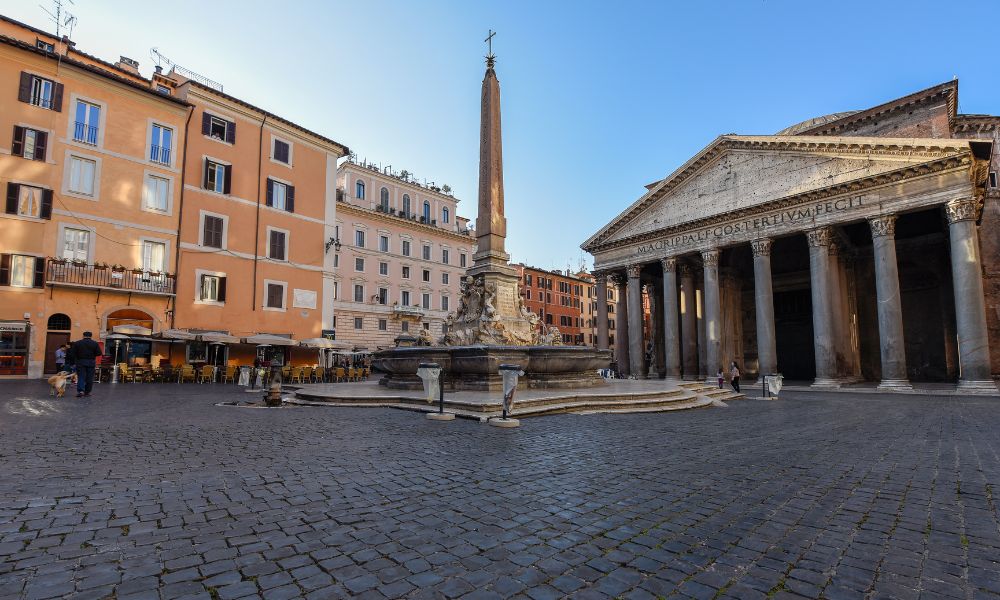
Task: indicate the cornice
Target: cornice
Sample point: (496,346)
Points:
(947,90)
(947,163)
(976,123)
(416,187)
(404,223)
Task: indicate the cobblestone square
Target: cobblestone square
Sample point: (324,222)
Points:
(153,491)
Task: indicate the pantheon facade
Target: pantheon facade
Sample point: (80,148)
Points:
(858,246)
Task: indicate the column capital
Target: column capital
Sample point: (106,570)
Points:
(710,257)
(600,277)
(685,270)
(616,280)
(761,247)
(669,264)
(633,271)
(961,210)
(883,225)
(819,237)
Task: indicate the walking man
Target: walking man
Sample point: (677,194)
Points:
(85,353)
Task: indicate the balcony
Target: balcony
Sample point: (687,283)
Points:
(159,154)
(399,310)
(84,133)
(64,273)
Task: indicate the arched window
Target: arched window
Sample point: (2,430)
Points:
(59,322)
(445,214)
(427,212)
(383,199)
(406,204)
(359,190)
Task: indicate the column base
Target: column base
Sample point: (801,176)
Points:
(894,385)
(825,383)
(983,387)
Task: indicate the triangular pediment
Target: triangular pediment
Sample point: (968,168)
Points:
(739,172)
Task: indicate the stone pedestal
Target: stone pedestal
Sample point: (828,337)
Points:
(437,416)
(505,423)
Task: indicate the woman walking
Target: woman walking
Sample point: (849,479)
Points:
(734,376)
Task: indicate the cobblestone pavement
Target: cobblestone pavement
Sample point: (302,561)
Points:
(152,491)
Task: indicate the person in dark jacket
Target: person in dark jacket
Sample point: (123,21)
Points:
(84,354)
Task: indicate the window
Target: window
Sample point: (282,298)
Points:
(29,201)
(444,255)
(37,91)
(383,295)
(404,326)
(527,294)
(461,259)
(154,256)
(383,325)
(404,298)
(359,190)
(427,213)
(212,288)
(406,247)
(156,194)
(383,268)
(277,245)
(359,238)
(160,144)
(29,143)
(383,243)
(359,265)
(444,278)
(445,215)
(280,195)
(444,303)
(281,152)
(427,252)
(359,292)
(383,199)
(81,175)
(76,244)
(88,120)
(406,205)
(406,272)
(163,90)
(275,295)
(43,45)
(425,301)
(426,275)
(218,128)
(993,179)
(18,270)
(359,322)
(217,176)
(213,231)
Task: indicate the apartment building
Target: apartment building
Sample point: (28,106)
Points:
(590,313)
(401,253)
(558,299)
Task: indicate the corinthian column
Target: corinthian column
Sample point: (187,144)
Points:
(621,325)
(635,345)
(713,313)
(970,306)
(823,334)
(890,306)
(767,353)
(671,328)
(689,323)
(601,280)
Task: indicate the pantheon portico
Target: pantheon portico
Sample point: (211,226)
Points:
(826,257)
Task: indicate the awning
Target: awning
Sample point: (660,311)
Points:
(266,338)
(323,343)
(174,334)
(132,330)
(218,337)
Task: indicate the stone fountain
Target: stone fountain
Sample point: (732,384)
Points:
(491,325)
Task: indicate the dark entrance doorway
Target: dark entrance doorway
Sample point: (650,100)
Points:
(794,334)
(58,334)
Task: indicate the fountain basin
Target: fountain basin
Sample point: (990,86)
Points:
(476,368)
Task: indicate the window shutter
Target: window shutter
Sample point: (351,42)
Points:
(230,132)
(57,94)
(206,123)
(24,90)
(13,190)
(290,198)
(206,233)
(204,183)
(270,193)
(41,141)
(39,272)
(17,144)
(227,184)
(4,269)
(46,208)
(222,289)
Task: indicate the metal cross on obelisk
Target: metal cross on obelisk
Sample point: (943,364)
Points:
(490,57)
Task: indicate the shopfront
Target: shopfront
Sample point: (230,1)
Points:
(14,336)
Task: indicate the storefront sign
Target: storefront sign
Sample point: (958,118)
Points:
(13,326)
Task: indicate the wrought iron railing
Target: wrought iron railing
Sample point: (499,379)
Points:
(159,154)
(76,274)
(85,133)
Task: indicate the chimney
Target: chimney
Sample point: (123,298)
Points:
(128,65)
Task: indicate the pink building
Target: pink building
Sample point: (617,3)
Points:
(402,253)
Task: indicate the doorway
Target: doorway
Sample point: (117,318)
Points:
(794,334)
(57,334)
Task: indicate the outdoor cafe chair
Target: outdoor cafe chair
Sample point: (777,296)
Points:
(339,375)
(207,373)
(319,375)
(187,373)
(229,374)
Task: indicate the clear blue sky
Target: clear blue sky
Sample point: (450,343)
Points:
(599,98)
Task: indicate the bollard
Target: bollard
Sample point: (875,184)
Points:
(510,375)
(430,373)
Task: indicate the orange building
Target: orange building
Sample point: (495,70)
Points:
(559,300)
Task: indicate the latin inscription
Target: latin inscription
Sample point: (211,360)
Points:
(505,300)
(791,215)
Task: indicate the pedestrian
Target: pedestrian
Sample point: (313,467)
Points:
(61,358)
(734,377)
(85,353)
(722,378)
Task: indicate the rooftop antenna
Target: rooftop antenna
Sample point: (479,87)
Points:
(160,60)
(61,17)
